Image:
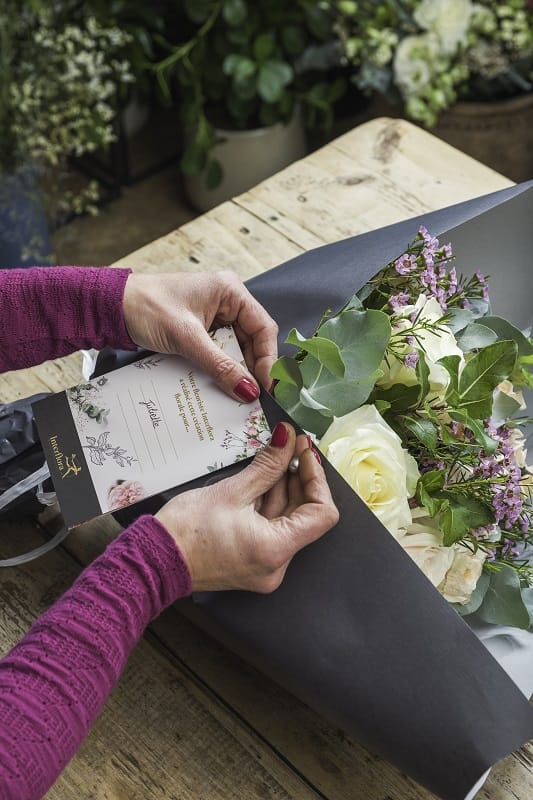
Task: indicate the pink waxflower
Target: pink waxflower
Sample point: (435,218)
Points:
(124,493)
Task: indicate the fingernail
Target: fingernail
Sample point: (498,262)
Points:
(309,441)
(316,455)
(246,390)
(272,387)
(280,435)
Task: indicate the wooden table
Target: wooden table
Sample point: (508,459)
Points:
(189,720)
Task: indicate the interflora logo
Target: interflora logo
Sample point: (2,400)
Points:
(67,465)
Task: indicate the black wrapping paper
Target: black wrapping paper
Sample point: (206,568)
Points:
(356,630)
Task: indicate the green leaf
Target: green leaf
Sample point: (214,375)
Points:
(264,46)
(428,490)
(422,374)
(286,369)
(482,373)
(424,430)
(505,330)
(288,396)
(324,350)
(194,159)
(503,408)
(458,318)
(462,514)
(234,11)
(240,67)
(487,442)
(451,365)
(293,39)
(362,338)
(399,397)
(475,336)
(464,609)
(340,395)
(214,175)
(272,79)
(503,603)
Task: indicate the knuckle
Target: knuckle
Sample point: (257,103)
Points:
(223,369)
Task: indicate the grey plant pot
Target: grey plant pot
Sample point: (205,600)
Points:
(247,158)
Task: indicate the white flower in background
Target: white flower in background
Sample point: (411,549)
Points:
(412,62)
(370,457)
(449,20)
(435,344)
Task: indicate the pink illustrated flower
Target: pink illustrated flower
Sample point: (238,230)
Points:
(124,493)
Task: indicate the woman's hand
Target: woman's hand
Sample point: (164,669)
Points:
(242,532)
(171,313)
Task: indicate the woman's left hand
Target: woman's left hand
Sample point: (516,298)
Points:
(172,312)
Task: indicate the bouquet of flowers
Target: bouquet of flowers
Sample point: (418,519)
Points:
(429,53)
(413,391)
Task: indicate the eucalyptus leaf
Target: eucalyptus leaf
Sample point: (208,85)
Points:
(458,318)
(362,338)
(503,407)
(338,394)
(478,595)
(503,603)
(475,336)
(287,369)
(324,350)
(505,330)
(289,397)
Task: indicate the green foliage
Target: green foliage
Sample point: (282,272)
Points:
(426,55)
(241,64)
(335,370)
(503,603)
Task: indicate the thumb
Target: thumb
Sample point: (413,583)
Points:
(232,377)
(267,468)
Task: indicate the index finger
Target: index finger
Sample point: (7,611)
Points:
(258,335)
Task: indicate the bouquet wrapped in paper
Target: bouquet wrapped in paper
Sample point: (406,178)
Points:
(413,386)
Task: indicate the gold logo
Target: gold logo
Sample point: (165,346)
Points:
(72,467)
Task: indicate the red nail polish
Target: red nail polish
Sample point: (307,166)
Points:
(309,441)
(316,455)
(246,390)
(280,435)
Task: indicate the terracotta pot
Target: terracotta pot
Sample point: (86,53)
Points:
(497,133)
(248,157)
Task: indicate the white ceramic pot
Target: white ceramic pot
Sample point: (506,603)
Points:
(248,157)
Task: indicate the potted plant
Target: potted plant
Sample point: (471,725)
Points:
(249,76)
(463,68)
(59,86)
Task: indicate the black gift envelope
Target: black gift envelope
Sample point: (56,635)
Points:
(356,630)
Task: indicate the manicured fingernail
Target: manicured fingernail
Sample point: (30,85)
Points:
(315,453)
(309,441)
(280,435)
(246,390)
(272,387)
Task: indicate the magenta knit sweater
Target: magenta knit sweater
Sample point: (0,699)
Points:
(55,681)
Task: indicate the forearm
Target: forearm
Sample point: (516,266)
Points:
(48,312)
(55,681)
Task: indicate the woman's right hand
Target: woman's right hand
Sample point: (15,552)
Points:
(242,532)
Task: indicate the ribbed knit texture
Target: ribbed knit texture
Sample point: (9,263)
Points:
(56,680)
(48,312)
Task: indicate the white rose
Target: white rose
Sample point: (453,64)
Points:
(463,575)
(370,457)
(435,345)
(412,61)
(454,570)
(448,19)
